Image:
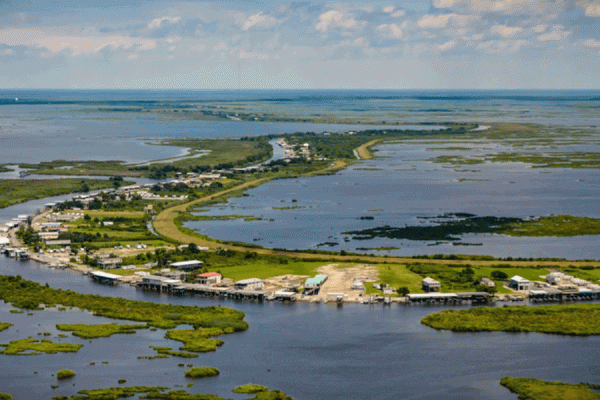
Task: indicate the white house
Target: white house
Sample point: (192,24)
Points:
(519,283)
(430,285)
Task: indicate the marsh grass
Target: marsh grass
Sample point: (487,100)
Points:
(5,325)
(14,289)
(65,374)
(86,331)
(573,320)
(201,372)
(534,389)
(30,347)
(250,389)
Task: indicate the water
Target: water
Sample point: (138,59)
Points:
(312,351)
(400,189)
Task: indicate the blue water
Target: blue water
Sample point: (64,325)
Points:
(309,351)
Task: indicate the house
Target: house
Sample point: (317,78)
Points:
(108,263)
(430,285)
(52,235)
(191,264)
(4,241)
(487,282)
(209,278)
(519,283)
(313,285)
(249,284)
(554,277)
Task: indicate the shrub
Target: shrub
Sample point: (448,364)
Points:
(65,374)
(201,372)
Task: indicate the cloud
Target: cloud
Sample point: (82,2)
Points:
(391,31)
(434,21)
(337,19)
(505,31)
(443,3)
(259,20)
(158,22)
(591,43)
(557,33)
(539,28)
(447,46)
(501,46)
(391,10)
(592,9)
(77,45)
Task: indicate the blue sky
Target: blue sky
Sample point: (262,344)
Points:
(470,44)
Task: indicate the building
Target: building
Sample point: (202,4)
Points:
(316,282)
(108,263)
(103,277)
(52,235)
(209,278)
(249,284)
(487,282)
(4,241)
(430,285)
(554,277)
(519,283)
(191,264)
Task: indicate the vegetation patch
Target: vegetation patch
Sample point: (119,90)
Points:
(65,374)
(197,340)
(14,191)
(451,226)
(101,330)
(5,396)
(534,389)
(574,320)
(14,289)
(112,393)
(201,372)
(169,352)
(29,347)
(250,388)
(5,325)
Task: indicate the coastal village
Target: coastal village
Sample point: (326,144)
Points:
(331,284)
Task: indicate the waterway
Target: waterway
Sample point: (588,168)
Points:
(401,187)
(309,351)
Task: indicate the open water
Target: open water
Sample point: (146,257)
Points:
(309,351)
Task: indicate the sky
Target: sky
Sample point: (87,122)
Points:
(414,44)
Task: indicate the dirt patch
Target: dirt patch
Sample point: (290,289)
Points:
(340,280)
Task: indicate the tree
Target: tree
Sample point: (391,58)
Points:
(193,248)
(403,291)
(499,275)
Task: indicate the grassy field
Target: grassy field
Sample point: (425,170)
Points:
(575,320)
(13,191)
(533,389)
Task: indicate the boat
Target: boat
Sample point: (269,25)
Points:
(24,173)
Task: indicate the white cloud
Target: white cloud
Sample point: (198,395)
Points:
(505,31)
(447,46)
(158,22)
(591,43)
(334,18)
(592,9)
(557,33)
(539,28)
(501,46)
(393,12)
(434,21)
(77,45)
(259,20)
(147,45)
(443,3)
(390,30)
